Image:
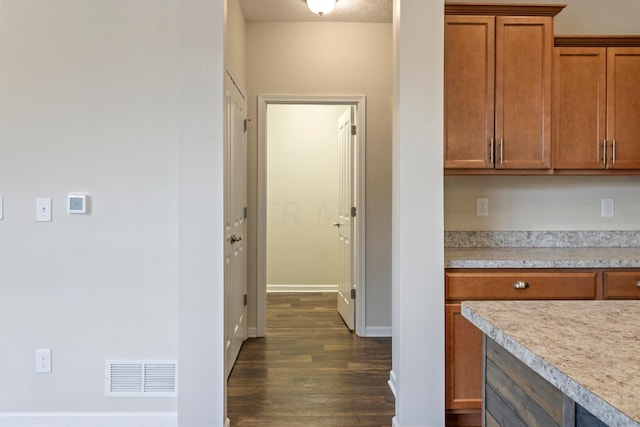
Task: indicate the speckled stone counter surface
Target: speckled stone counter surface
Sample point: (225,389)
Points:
(589,350)
(542,249)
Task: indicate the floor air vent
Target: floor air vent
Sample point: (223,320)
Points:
(140,378)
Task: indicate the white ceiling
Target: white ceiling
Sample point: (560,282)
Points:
(296,10)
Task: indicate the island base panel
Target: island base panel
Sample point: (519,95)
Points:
(516,396)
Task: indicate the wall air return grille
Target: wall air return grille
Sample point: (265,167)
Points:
(141,378)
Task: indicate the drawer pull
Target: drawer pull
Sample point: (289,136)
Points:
(525,285)
(638,283)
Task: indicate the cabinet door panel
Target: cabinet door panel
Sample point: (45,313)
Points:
(463,370)
(469,91)
(622,285)
(579,110)
(623,107)
(524,51)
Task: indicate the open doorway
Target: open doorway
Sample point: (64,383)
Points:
(302,216)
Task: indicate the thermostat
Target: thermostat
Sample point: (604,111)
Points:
(78,203)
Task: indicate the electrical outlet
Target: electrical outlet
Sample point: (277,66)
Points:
(43,361)
(607,207)
(482,206)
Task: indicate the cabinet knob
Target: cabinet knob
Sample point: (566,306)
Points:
(524,285)
(638,283)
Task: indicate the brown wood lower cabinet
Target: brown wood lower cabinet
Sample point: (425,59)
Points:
(463,341)
(464,351)
(622,284)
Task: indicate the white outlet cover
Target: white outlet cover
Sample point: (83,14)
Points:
(607,207)
(43,361)
(482,206)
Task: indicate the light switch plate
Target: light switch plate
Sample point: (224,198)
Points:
(43,209)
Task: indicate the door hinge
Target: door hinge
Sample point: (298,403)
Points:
(353,212)
(353,129)
(245,300)
(245,212)
(246,124)
(353,294)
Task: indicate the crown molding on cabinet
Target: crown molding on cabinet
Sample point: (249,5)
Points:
(597,41)
(495,9)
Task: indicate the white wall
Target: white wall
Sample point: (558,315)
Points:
(418,254)
(89,100)
(235,50)
(302,195)
(328,58)
(553,202)
(542,203)
(202,380)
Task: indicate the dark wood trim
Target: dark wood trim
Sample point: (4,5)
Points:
(494,9)
(597,41)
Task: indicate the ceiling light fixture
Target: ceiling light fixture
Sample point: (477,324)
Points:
(321,7)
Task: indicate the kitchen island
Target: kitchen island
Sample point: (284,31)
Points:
(560,363)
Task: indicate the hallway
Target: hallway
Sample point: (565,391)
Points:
(310,370)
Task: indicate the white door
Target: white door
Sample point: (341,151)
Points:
(346,218)
(235,222)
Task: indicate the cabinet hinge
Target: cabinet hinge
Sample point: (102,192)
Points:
(353,294)
(353,129)
(245,299)
(353,212)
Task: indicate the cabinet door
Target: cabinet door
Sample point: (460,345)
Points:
(623,107)
(463,353)
(469,91)
(622,285)
(524,52)
(579,108)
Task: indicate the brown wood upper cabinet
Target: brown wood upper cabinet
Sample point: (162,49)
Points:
(596,108)
(498,72)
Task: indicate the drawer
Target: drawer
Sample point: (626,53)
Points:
(622,285)
(531,285)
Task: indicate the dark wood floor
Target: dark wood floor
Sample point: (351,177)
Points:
(310,370)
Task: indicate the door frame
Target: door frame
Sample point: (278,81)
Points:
(359,232)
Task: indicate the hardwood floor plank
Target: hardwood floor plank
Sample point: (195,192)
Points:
(310,370)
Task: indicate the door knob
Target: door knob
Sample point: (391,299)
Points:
(233,239)
(337,224)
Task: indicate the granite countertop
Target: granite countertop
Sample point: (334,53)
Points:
(590,350)
(542,249)
(542,257)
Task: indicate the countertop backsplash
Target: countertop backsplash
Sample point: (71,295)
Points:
(542,239)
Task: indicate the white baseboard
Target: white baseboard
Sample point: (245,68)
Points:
(85,419)
(227,422)
(252,332)
(302,288)
(377,331)
(392,383)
